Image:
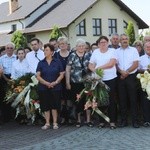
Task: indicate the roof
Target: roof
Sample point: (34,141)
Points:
(5,38)
(26,7)
(62,15)
(141,23)
(72,10)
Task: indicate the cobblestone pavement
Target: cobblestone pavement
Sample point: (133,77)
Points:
(23,137)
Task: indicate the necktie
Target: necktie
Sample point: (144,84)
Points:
(37,56)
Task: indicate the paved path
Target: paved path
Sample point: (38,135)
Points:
(22,137)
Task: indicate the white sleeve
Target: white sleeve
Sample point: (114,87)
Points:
(13,71)
(93,59)
(136,56)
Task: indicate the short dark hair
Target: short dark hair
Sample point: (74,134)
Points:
(35,39)
(50,46)
(20,49)
(52,39)
(102,37)
(27,47)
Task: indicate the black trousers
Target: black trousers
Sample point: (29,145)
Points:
(6,110)
(145,103)
(127,91)
(111,109)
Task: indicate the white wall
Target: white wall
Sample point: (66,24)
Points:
(103,9)
(6,27)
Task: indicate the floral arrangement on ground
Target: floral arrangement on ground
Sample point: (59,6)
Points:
(23,96)
(96,92)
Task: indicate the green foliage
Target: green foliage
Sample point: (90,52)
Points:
(19,39)
(56,33)
(130,32)
(140,37)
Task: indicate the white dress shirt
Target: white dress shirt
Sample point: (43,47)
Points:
(144,62)
(98,58)
(33,60)
(19,68)
(6,63)
(126,57)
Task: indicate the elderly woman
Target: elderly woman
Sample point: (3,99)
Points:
(20,67)
(139,46)
(104,58)
(50,72)
(77,64)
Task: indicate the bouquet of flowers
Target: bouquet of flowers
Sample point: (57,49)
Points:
(145,82)
(22,94)
(96,92)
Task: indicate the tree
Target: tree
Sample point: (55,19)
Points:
(130,32)
(19,39)
(56,33)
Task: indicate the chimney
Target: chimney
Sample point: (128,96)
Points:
(13,5)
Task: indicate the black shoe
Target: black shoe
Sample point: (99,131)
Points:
(90,124)
(101,125)
(146,124)
(123,124)
(135,125)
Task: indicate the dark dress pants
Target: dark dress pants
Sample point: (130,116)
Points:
(127,91)
(145,106)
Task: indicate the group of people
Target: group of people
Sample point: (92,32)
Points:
(60,72)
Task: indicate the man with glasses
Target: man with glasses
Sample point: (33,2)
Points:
(5,67)
(35,55)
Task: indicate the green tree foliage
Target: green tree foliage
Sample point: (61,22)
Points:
(19,39)
(55,33)
(130,32)
(140,37)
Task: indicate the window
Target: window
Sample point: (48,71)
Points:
(14,27)
(81,29)
(125,24)
(112,26)
(96,26)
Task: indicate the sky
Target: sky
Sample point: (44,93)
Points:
(140,7)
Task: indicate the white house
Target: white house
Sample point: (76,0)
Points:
(87,19)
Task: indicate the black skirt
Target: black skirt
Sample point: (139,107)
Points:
(49,99)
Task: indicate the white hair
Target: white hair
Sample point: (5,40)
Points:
(80,42)
(10,43)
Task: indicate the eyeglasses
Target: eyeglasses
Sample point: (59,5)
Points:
(9,48)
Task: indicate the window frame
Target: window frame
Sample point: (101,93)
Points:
(97,27)
(81,28)
(125,24)
(13,27)
(111,26)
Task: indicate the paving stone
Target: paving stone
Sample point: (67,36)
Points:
(22,137)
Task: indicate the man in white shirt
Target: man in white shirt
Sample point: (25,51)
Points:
(35,55)
(127,64)
(143,66)
(6,62)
